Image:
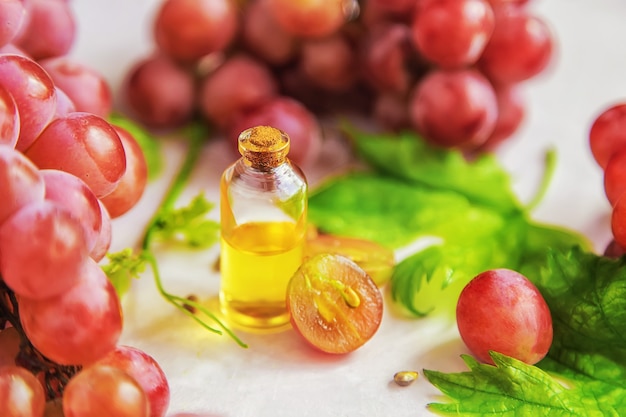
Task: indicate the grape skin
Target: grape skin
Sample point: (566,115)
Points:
(21,394)
(608,133)
(105,236)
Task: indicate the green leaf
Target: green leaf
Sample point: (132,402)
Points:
(512,388)
(122,268)
(188,225)
(408,157)
(149,144)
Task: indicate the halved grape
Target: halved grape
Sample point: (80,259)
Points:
(334,304)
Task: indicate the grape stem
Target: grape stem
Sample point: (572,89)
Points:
(196,135)
(550,166)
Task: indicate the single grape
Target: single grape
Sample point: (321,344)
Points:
(384,56)
(79,326)
(21,394)
(64,106)
(333,304)
(49,30)
(511,113)
(71,193)
(263,36)
(520,47)
(290,116)
(92,150)
(101,390)
(144,369)
(86,87)
(188,30)
(615,176)
(133,183)
(608,133)
(501,310)
(9,118)
(240,84)
(12,16)
(329,62)
(21,182)
(33,92)
(454,108)
(312,18)
(105,237)
(9,346)
(43,249)
(159,93)
(453,33)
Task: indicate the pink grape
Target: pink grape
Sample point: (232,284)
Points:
(71,193)
(146,371)
(159,93)
(42,248)
(12,16)
(501,310)
(290,116)
(79,326)
(64,106)
(453,33)
(264,37)
(9,119)
(86,87)
(311,18)
(101,390)
(454,108)
(130,188)
(240,84)
(33,92)
(608,133)
(49,31)
(520,47)
(329,62)
(21,183)
(91,150)
(188,30)
(105,237)
(21,393)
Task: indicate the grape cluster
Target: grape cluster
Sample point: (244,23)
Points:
(65,172)
(449,69)
(607,140)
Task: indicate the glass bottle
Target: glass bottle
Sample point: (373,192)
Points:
(263,206)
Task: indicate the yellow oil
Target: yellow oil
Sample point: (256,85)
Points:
(257,261)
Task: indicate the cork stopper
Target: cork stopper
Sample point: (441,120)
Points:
(264,147)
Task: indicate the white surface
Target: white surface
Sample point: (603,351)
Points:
(280,376)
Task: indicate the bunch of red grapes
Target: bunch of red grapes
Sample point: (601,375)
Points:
(449,69)
(607,140)
(65,172)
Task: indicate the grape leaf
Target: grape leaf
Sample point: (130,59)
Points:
(122,268)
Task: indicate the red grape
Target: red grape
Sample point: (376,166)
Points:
(85,145)
(21,182)
(21,393)
(105,237)
(146,371)
(130,188)
(608,133)
(615,176)
(187,30)
(454,108)
(101,390)
(511,112)
(33,92)
(501,310)
(291,117)
(240,84)
(64,106)
(71,193)
(79,326)
(160,93)
(49,30)
(453,33)
(520,47)
(329,62)
(12,16)
(10,341)
(9,119)
(312,18)
(86,87)
(618,222)
(43,250)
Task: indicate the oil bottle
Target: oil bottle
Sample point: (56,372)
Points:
(263,207)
